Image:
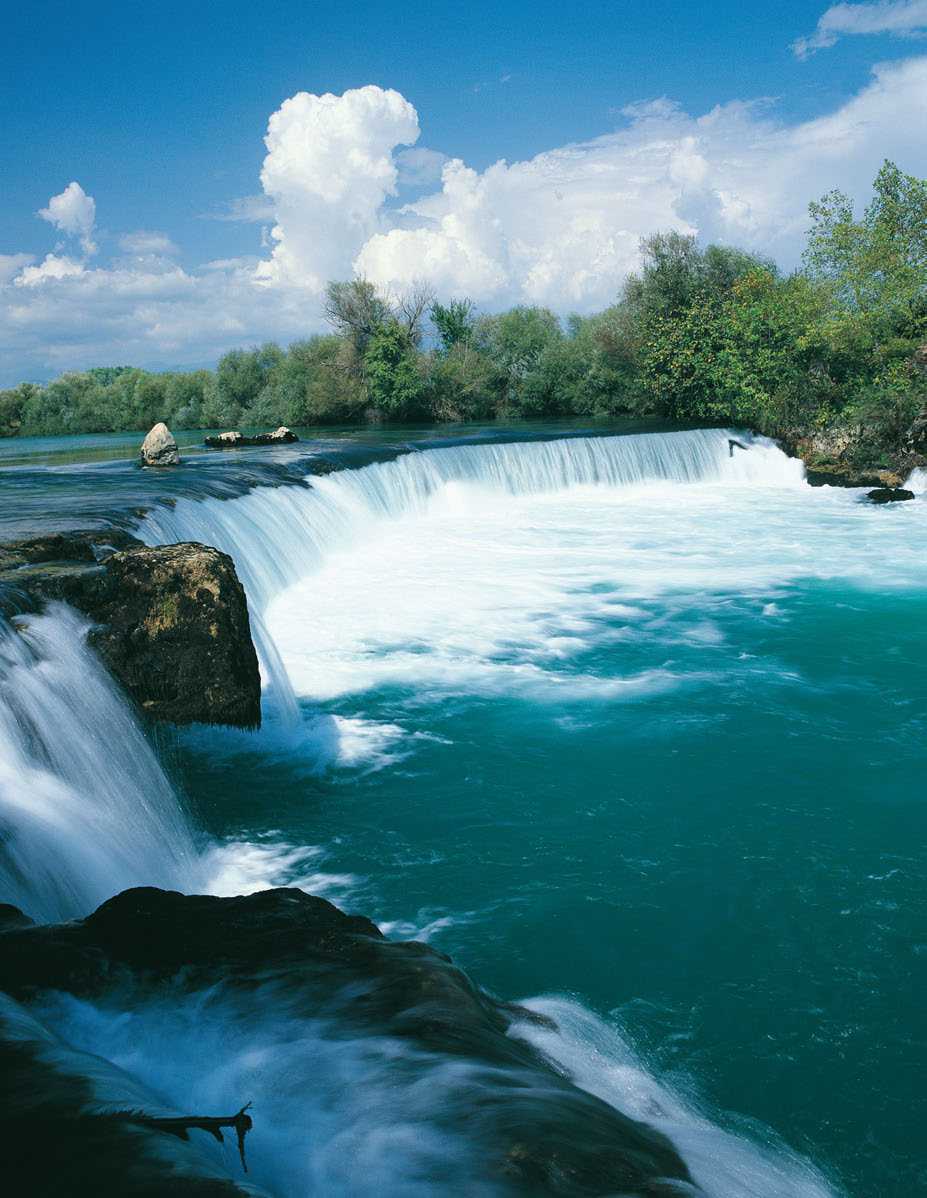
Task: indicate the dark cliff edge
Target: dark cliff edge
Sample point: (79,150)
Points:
(170,622)
(283,950)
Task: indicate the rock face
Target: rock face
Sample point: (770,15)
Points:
(159,448)
(232,440)
(177,635)
(285,953)
(172,621)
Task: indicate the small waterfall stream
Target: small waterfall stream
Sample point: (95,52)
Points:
(85,808)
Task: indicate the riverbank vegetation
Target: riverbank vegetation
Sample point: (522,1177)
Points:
(716,334)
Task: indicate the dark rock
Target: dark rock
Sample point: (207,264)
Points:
(847,475)
(541,1133)
(79,545)
(889,495)
(225,440)
(159,448)
(172,622)
(321,466)
(176,634)
(232,440)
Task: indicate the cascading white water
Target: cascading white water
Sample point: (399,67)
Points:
(277,536)
(85,808)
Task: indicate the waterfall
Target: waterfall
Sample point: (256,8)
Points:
(85,808)
(277,536)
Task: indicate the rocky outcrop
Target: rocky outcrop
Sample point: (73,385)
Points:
(159,448)
(916,439)
(889,495)
(285,952)
(171,622)
(233,440)
(175,632)
(832,458)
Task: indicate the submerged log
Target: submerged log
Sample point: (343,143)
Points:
(183,1124)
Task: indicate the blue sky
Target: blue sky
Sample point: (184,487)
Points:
(511,153)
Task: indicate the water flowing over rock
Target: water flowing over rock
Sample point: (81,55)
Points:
(159,448)
(539,1133)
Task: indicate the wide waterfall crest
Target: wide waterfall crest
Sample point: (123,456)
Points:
(85,808)
(280,535)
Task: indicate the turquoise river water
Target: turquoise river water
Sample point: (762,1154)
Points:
(632,726)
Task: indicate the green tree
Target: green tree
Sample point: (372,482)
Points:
(875,267)
(355,309)
(514,342)
(13,403)
(394,385)
(454,323)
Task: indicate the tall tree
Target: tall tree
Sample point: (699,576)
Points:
(354,309)
(875,267)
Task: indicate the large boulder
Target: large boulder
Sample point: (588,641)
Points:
(889,495)
(159,448)
(175,632)
(171,621)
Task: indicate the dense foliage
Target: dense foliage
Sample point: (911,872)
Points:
(715,335)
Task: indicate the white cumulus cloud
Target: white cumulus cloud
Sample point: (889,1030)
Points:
(53,267)
(564,228)
(561,229)
(74,213)
(903,18)
(328,170)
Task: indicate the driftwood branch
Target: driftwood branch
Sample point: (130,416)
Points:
(181,1126)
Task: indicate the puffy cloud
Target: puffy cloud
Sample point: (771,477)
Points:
(419,165)
(154,318)
(53,267)
(561,229)
(328,170)
(904,18)
(564,228)
(74,213)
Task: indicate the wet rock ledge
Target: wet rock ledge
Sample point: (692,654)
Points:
(170,622)
(287,953)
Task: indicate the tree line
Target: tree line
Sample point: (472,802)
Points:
(716,334)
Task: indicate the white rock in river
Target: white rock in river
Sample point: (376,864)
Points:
(159,448)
